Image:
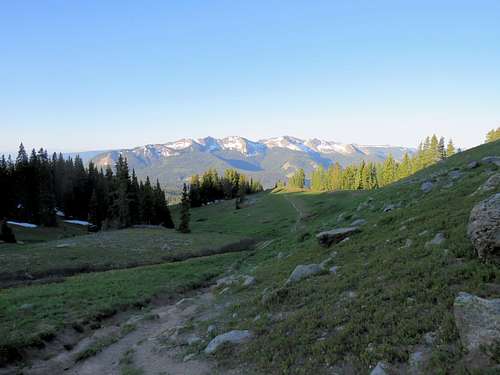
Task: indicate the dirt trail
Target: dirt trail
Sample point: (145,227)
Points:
(157,345)
(300,214)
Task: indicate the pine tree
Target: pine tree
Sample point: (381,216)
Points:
(6,233)
(185,215)
(298,180)
(441,148)
(493,135)
(450,150)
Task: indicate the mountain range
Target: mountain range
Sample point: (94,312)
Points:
(268,160)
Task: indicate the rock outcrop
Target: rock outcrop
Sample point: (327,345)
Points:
(491,160)
(478,323)
(334,236)
(231,337)
(303,271)
(427,186)
(484,227)
(492,183)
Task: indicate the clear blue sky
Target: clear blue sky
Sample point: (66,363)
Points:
(83,75)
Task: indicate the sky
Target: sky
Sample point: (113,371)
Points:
(93,75)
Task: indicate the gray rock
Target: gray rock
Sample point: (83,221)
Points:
(334,236)
(427,186)
(491,160)
(26,306)
(232,337)
(249,281)
(303,271)
(418,361)
(423,233)
(389,207)
(211,329)
(438,239)
(189,357)
(333,269)
(193,339)
(358,222)
(455,175)
(473,164)
(407,244)
(492,183)
(340,217)
(380,369)
(183,303)
(484,227)
(478,323)
(430,338)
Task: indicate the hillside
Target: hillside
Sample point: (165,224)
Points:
(268,160)
(386,298)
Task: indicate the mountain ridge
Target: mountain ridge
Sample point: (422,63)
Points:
(268,159)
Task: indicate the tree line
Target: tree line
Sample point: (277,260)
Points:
(371,175)
(37,188)
(210,187)
(493,135)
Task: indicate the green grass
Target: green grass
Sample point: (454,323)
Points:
(107,250)
(40,234)
(29,315)
(400,293)
(378,306)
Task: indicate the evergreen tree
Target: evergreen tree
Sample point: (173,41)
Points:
(6,233)
(185,215)
(441,148)
(493,135)
(450,150)
(298,180)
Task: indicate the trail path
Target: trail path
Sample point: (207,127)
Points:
(300,213)
(157,345)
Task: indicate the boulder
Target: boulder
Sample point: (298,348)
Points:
(492,183)
(427,186)
(473,164)
(478,323)
(484,227)
(491,160)
(248,281)
(455,175)
(303,271)
(389,207)
(438,239)
(380,369)
(232,337)
(333,236)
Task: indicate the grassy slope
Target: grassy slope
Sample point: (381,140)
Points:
(401,293)
(104,251)
(30,314)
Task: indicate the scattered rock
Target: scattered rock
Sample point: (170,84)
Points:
(438,239)
(380,369)
(426,187)
(189,357)
(303,271)
(193,339)
(478,323)
(334,236)
(334,269)
(232,337)
(430,338)
(389,207)
(491,160)
(26,307)
(484,227)
(491,184)
(418,361)
(473,164)
(248,281)
(358,222)
(340,217)
(407,244)
(211,329)
(455,175)
(227,280)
